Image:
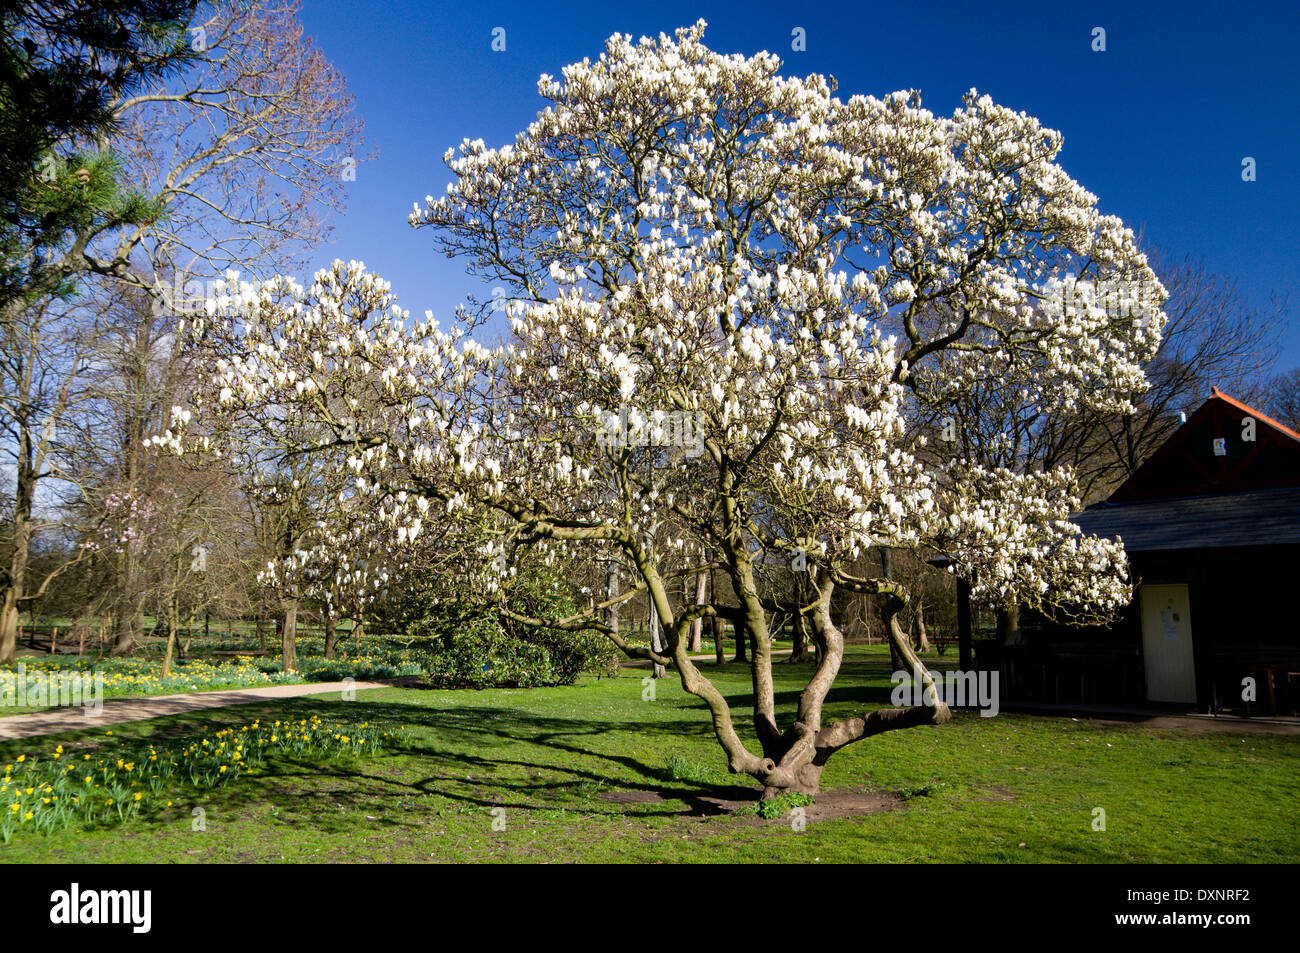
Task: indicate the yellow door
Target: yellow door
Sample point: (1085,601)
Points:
(1167,644)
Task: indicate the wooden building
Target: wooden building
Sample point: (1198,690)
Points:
(1211,524)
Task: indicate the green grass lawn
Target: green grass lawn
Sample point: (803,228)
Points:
(594,773)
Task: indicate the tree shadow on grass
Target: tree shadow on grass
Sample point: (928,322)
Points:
(483,760)
(485,756)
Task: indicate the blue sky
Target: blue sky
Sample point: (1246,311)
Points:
(1156,126)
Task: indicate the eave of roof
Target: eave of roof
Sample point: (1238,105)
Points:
(1253,518)
(1215,392)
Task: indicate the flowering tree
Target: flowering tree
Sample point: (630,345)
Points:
(690,237)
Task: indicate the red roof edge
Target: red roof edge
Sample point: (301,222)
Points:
(1215,392)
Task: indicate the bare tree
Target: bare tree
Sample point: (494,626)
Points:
(137,369)
(41,359)
(242,155)
(1281,398)
(1213,338)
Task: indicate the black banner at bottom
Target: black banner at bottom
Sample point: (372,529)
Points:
(144,904)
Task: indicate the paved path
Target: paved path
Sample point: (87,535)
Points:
(115,712)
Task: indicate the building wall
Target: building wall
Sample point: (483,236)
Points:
(1245,613)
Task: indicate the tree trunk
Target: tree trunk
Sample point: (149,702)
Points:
(1008,623)
(656,639)
(965,625)
(800,651)
(742,638)
(331,630)
(358,629)
(719,624)
(697,627)
(13,592)
(922,640)
(9,624)
(804,750)
(26,466)
(128,622)
(611,592)
(173,625)
(888,615)
(289,637)
(260,628)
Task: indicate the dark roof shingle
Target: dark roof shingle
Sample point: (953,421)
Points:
(1255,518)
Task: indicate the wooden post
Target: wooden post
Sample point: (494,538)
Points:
(81,638)
(54,641)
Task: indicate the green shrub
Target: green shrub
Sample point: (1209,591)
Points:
(467,641)
(335,670)
(481,654)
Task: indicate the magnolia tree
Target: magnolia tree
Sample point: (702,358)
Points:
(724,286)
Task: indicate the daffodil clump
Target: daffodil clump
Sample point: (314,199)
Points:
(107,783)
(141,676)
